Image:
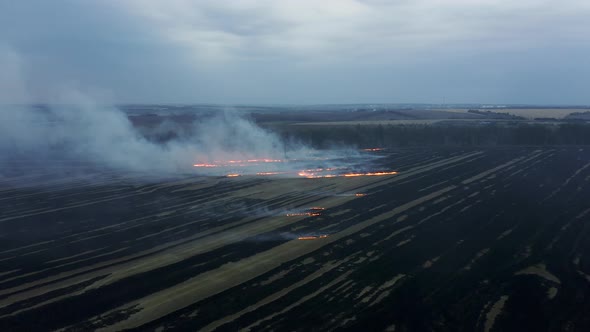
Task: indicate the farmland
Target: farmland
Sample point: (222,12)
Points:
(473,239)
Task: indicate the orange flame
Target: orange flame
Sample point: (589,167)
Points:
(311,175)
(300,214)
(312,237)
(369,174)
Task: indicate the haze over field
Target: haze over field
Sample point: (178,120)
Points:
(260,165)
(339,51)
(105,136)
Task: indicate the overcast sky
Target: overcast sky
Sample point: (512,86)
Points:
(298,52)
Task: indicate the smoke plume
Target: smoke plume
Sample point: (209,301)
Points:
(74,126)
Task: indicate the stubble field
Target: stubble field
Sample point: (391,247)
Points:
(490,239)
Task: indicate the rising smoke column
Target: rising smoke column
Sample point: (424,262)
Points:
(84,130)
(78,127)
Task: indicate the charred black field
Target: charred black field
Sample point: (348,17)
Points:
(471,239)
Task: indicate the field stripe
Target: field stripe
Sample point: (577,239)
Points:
(212,282)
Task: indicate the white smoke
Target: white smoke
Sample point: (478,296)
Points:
(74,126)
(84,130)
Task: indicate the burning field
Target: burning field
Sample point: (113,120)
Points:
(488,239)
(315,164)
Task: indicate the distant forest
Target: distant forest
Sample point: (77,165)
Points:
(365,136)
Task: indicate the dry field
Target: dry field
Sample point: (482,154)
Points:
(370,122)
(530,113)
(459,239)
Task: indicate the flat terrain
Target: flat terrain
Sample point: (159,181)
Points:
(460,239)
(531,113)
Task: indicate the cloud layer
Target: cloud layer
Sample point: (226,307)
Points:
(332,51)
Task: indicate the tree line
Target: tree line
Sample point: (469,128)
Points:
(323,137)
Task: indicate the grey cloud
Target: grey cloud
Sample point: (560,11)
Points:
(305,51)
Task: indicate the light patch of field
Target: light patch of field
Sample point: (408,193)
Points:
(583,214)
(169,229)
(479,255)
(529,113)
(337,213)
(551,293)
(567,181)
(206,182)
(360,260)
(443,210)
(45,211)
(494,312)
(434,185)
(428,167)
(525,253)
(8,272)
(576,262)
(404,242)
(584,275)
(301,301)
(440,200)
(504,234)
(465,208)
(399,231)
(390,283)
(165,213)
(184,183)
(364,291)
(380,297)
(343,285)
(402,218)
(344,289)
(347,320)
(73,256)
(308,260)
(384,290)
(374,258)
(369,122)
(269,299)
(27,246)
(430,262)
(390,328)
(497,168)
(378,207)
(65,264)
(541,271)
(275,277)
